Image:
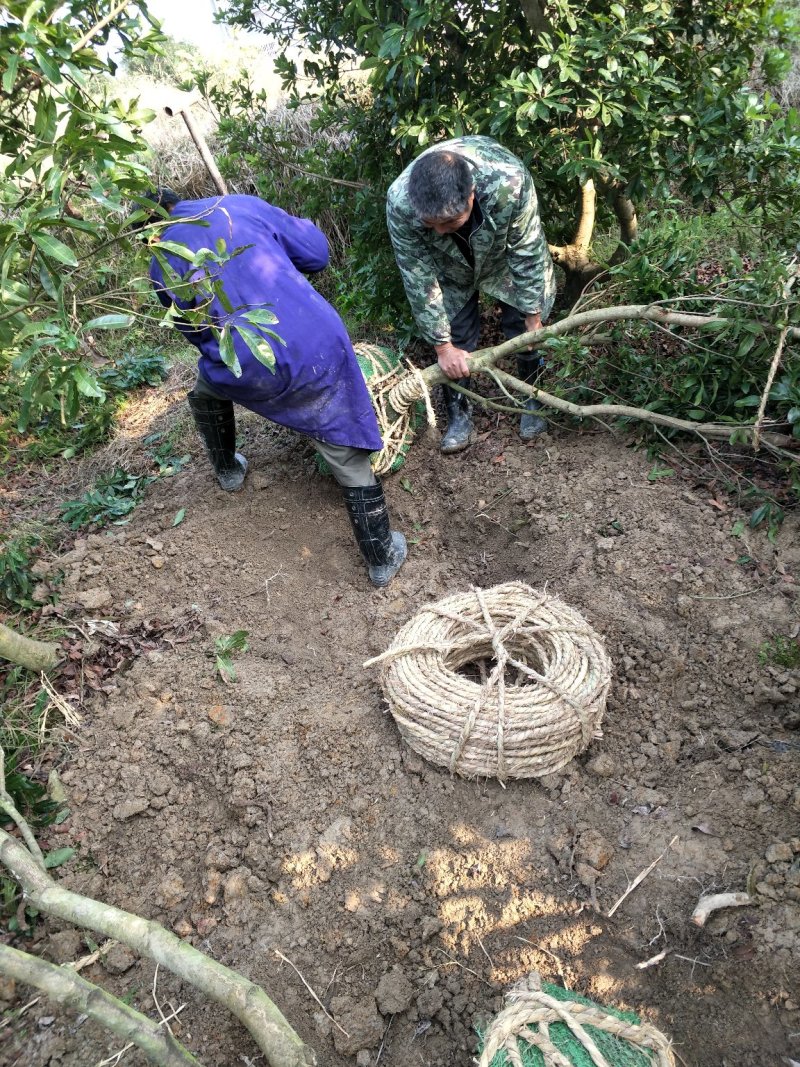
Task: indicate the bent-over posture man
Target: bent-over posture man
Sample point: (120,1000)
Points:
(316,387)
(464,219)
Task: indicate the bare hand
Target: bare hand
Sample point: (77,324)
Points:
(533,322)
(452,361)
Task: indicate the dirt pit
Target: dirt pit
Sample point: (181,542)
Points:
(282,813)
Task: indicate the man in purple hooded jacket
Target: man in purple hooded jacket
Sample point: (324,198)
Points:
(316,386)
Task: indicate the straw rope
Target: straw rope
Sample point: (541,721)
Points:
(544,679)
(387,388)
(529,1006)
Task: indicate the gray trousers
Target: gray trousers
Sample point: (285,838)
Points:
(349,466)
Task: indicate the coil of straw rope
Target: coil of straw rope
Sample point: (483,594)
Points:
(507,682)
(385,376)
(547,1026)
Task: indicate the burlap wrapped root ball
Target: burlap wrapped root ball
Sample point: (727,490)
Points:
(543,1025)
(507,682)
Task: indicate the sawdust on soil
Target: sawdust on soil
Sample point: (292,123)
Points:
(282,812)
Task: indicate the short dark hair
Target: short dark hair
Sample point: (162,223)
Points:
(142,215)
(440,184)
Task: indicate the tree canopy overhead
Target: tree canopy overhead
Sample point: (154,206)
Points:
(632,101)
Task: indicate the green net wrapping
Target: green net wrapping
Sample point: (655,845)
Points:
(544,1025)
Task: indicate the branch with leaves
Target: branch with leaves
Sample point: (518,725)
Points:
(484,360)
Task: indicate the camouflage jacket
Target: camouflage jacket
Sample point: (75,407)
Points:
(512,261)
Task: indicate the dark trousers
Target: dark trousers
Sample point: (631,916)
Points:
(349,466)
(465,327)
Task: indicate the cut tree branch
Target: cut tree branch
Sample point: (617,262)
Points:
(9,807)
(64,986)
(486,358)
(25,651)
(280,1044)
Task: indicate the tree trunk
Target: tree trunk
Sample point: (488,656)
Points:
(35,655)
(574,258)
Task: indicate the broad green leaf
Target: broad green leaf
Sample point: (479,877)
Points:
(47,66)
(10,74)
(87,383)
(259,346)
(261,316)
(116,321)
(54,248)
(228,353)
(179,517)
(58,857)
(659,472)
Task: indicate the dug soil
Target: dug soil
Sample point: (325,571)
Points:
(280,823)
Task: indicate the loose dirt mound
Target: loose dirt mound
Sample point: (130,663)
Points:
(282,812)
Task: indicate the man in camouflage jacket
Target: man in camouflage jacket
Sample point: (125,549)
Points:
(463,218)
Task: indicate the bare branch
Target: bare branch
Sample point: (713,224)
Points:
(64,986)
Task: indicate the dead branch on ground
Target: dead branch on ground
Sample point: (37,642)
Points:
(272,1033)
(64,986)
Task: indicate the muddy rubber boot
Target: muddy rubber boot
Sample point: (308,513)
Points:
(384,550)
(460,432)
(529,366)
(216,424)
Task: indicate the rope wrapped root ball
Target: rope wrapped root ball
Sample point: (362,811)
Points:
(548,1026)
(507,682)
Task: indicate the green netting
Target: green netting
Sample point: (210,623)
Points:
(376,363)
(617,1051)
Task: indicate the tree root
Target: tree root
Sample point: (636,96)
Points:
(247,1001)
(35,655)
(62,985)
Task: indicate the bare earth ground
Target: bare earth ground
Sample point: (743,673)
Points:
(283,812)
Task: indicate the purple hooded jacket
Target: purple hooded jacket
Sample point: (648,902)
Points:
(317,387)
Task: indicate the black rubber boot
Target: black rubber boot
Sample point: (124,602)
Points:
(529,365)
(384,550)
(216,424)
(460,432)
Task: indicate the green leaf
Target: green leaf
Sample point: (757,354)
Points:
(259,346)
(47,67)
(10,75)
(54,248)
(58,857)
(659,472)
(87,383)
(228,353)
(116,321)
(261,316)
(179,517)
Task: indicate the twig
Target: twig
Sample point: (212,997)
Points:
(155,1001)
(653,960)
(281,956)
(383,1040)
(114,1059)
(641,877)
(708,904)
(9,807)
(776,359)
(546,952)
(278,574)
(463,966)
(486,954)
